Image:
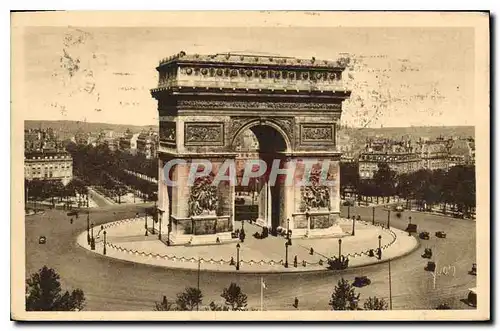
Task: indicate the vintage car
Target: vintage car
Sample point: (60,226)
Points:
(472,297)
(399,208)
(361,281)
(427,253)
(42,240)
(431,266)
(473,271)
(424,235)
(73,213)
(441,234)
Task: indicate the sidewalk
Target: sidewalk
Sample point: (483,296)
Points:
(126,241)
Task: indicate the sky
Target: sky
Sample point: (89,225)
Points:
(398,76)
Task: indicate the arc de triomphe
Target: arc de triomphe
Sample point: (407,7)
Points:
(205,102)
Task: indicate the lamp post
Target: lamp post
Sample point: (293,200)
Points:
(388,218)
(160,218)
(340,248)
(155,213)
(88,228)
(146,223)
(286,254)
(92,240)
(379,247)
(238,256)
(409,220)
(287,228)
(348,211)
(353,224)
(104,249)
(373,215)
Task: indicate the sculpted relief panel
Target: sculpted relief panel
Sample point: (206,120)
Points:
(167,132)
(197,133)
(213,104)
(317,133)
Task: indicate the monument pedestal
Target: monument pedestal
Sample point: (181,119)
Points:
(201,230)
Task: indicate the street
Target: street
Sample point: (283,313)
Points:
(119,285)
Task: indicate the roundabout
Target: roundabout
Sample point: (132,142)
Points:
(112,284)
(126,240)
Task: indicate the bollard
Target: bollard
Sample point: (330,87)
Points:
(232,261)
(295,261)
(311,252)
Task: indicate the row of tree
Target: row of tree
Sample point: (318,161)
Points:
(107,170)
(44,293)
(453,189)
(40,190)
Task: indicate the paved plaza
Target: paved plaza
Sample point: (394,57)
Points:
(126,240)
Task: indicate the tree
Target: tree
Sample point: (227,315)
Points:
(215,307)
(43,293)
(374,303)
(165,305)
(344,297)
(234,297)
(443,306)
(384,179)
(189,299)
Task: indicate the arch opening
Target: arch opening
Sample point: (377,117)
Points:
(259,201)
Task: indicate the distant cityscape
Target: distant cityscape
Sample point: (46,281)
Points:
(47,158)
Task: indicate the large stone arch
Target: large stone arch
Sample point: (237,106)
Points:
(256,122)
(206,101)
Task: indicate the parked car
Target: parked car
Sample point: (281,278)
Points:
(361,281)
(472,297)
(431,266)
(399,208)
(73,213)
(42,240)
(427,253)
(424,235)
(473,271)
(348,203)
(441,234)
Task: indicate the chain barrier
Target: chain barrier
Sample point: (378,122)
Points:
(175,258)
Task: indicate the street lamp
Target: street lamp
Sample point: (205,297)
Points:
(146,223)
(353,224)
(287,228)
(92,240)
(104,249)
(160,218)
(379,246)
(238,256)
(88,228)
(340,248)
(286,254)
(409,219)
(388,218)
(348,211)
(373,215)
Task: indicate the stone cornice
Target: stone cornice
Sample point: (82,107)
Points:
(251,60)
(283,93)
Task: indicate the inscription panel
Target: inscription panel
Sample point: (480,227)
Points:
(203,133)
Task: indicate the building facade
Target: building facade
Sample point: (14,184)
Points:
(400,156)
(48,165)
(435,153)
(147,144)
